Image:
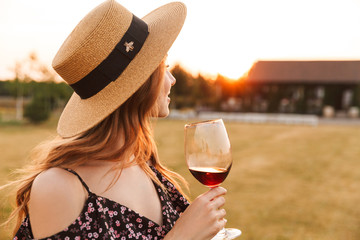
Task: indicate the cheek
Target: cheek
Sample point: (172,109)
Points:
(163,94)
(167,84)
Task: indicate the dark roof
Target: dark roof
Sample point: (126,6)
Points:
(305,71)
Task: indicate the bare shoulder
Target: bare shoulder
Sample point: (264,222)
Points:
(54,184)
(56,200)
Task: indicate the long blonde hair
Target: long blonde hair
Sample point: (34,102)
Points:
(131,121)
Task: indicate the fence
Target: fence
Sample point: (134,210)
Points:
(289,119)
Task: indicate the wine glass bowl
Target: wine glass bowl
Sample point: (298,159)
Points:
(208,151)
(208,157)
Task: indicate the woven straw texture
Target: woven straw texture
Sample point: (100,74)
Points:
(91,42)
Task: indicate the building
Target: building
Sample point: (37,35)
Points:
(301,86)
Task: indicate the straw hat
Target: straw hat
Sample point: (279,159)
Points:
(108,56)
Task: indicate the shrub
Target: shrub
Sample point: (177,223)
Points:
(37,110)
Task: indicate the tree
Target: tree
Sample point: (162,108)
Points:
(37,110)
(183,81)
(35,80)
(181,92)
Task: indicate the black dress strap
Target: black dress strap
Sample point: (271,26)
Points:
(82,181)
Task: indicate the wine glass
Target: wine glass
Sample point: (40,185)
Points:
(208,156)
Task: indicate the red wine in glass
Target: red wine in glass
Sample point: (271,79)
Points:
(210,176)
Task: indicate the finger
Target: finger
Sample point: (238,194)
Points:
(215,192)
(221,224)
(221,214)
(224,221)
(218,202)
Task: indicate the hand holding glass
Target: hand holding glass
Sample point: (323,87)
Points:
(208,156)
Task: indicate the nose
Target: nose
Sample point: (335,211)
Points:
(172,78)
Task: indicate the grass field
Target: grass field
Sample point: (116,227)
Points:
(287,182)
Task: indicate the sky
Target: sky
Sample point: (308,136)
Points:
(224,37)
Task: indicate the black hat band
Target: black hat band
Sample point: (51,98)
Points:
(116,62)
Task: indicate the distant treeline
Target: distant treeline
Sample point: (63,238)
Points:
(188,92)
(53,93)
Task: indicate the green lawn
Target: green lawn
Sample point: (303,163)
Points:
(287,182)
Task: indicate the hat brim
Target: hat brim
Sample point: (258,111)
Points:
(79,115)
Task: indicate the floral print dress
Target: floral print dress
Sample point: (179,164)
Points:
(102,218)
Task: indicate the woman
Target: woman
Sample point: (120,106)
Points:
(101,178)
